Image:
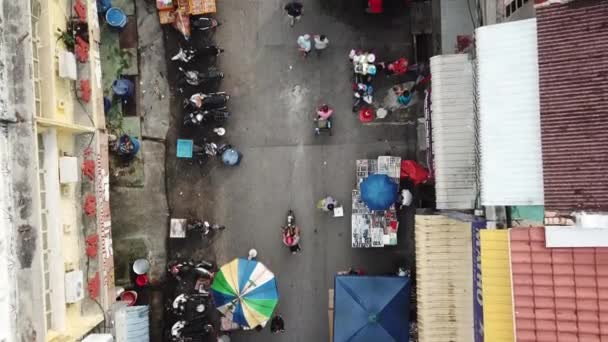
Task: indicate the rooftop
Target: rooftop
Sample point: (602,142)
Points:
(558,292)
(573,75)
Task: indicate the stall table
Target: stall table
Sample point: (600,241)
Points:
(374,228)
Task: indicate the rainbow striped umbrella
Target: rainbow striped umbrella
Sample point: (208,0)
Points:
(245,291)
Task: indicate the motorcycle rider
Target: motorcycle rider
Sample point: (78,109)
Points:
(324,112)
(291,238)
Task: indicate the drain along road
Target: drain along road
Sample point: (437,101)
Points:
(274,93)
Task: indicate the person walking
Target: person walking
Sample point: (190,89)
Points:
(304,44)
(277,324)
(252,255)
(321,43)
(294,11)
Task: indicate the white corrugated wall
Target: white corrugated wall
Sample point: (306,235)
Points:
(509,114)
(453,131)
(444,279)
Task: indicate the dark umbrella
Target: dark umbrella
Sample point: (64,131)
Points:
(379,192)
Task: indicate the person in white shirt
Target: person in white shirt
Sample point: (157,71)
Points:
(304,44)
(321,43)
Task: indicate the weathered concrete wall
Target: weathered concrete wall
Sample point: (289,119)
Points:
(20,242)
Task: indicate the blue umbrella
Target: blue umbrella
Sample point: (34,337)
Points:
(371,309)
(379,192)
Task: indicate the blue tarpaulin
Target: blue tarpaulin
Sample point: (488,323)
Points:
(379,192)
(371,309)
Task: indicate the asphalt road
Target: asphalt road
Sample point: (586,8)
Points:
(274,94)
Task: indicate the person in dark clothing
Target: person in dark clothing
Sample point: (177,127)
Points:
(277,324)
(294,11)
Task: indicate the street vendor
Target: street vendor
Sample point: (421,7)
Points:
(404,96)
(327,204)
(324,112)
(291,238)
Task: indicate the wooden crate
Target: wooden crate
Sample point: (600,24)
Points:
(199,7)
(166,16)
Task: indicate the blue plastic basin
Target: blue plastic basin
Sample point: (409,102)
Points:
(116,17)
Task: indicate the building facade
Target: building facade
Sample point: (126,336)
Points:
(56,245)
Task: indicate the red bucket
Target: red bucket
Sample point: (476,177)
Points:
(141,280)
(130,297)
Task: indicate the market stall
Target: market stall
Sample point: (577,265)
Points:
(370,308)
(375,224)
(245,293)
(168,10)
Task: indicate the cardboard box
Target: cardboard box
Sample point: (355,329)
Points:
(166,17)
(199,7)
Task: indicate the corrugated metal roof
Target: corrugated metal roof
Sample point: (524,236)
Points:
(573,71)
(453,132)
(509,124)
(496,286)
(558,292)
(444,273)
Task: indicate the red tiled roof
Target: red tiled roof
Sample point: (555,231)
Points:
(573,76)
(560,294)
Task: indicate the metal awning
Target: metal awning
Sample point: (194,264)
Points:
(453,132)
(509,114)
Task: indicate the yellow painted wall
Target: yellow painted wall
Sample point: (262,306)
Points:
(72,246)
(496,286)
(61,109)
(57,94)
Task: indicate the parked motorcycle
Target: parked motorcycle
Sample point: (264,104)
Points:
(207,101)
(190,53)
(199,117)
(364,94)
(182,329)
(195,77)
(185,54)
(194,304)
(229,155)
(204,24)
(209,149)
(181,268)
(204,227)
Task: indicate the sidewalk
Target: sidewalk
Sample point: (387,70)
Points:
(141,214)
